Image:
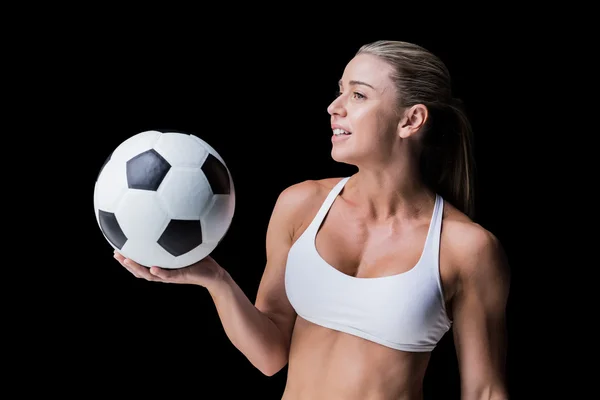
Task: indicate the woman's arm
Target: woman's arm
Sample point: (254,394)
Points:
(479,313)
(261,331)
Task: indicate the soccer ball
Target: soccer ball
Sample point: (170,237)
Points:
(164,199)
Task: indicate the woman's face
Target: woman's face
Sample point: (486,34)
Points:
(364,116)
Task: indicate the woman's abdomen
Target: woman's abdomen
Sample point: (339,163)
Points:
(328,364)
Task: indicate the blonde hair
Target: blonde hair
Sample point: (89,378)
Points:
(447,162)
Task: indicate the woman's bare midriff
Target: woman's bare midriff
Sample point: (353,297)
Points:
(330,365)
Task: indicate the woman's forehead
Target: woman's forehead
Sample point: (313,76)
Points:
(369,71)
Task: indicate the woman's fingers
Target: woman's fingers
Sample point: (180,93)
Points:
(136,269)
(165,275)
(121,260)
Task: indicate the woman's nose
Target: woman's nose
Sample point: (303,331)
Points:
(336,107)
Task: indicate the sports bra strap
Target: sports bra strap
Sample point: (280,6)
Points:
(316,222)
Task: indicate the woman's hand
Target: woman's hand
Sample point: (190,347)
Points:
(205,272)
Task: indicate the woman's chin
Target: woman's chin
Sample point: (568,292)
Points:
(344,157)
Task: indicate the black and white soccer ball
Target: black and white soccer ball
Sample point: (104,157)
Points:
(164,199)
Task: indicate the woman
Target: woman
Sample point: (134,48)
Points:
(366,273)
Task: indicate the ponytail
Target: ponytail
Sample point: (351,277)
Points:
(447,161)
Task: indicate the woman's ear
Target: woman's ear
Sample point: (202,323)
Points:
(413,120)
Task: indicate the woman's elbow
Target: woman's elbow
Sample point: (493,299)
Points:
(272,365)
(485,391)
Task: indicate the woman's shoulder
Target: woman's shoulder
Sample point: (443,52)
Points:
(470,244)
(307,191)
(301,201)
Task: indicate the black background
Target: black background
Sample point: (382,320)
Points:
(262,105)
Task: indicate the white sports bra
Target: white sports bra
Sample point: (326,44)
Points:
(405,311)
